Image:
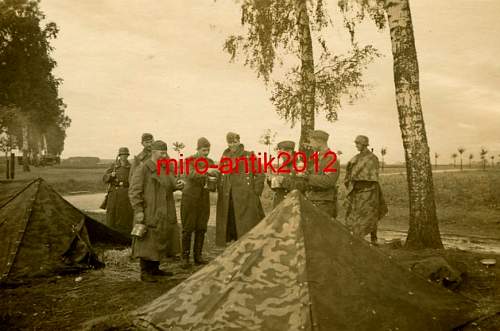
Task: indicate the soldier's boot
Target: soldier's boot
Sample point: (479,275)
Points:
(186,249)
(374,238)
(146,274)
(156,271)
(199,237)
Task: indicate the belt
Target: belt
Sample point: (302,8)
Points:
(121,184)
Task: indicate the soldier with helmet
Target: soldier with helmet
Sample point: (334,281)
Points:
(155,222)
(119,214)
(321,185)
(365,204)
(144,155)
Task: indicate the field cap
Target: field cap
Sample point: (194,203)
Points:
(146,137)
(123,151)
(320,135)
(232,137)
(159,145)
(363,140)
(286,145)
(202,143)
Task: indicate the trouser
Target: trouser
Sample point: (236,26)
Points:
(195,213)
(231,233)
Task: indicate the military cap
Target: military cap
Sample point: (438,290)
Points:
(320,135)
(362,140)
(146,136)
(286,145)
(159,145)
(232,137)
(202,143)
(123,151)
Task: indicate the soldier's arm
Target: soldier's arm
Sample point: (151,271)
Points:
(258,178)
(107,176)
(136,190)
(325,180)
(193,174)
(133,167)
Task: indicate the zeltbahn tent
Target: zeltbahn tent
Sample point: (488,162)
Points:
(43,234)
(300,270)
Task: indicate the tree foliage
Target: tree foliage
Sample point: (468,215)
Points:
(28,87)
(271,41)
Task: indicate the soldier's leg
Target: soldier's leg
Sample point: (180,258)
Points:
(187,231)
(198,247)
(155,269)
(201,229)
(146,271)
(373,235)
(231,233)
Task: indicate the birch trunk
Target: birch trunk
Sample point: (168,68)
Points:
(423,230)
(308,80)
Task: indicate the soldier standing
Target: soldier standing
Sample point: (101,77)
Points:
(146,141)
(365,204)
(281,184)
(195,204)
(119,214)
(238,205)
(321,186)
(151,195)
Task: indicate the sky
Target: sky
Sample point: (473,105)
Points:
(134,66)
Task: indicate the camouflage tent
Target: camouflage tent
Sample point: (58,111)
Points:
(298,270)
(42,234)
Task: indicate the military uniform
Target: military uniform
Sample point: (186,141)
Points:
(321,186)
(119,214)
(195,208)
(239,207)
(142,156)
(152,195)
(365,204)
(284,182)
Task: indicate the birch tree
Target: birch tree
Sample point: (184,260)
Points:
(423,223)
(289,35)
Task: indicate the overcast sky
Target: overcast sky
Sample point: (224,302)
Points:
(133,66)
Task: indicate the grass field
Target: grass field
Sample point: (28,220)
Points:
(467,202)
(66,180)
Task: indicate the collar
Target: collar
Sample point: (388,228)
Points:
(151,165)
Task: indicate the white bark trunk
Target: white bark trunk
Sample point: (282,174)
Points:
(308,81)
(423,231)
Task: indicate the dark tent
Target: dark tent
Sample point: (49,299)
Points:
(299,270)
(43,234)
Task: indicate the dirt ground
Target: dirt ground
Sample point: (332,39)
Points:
(65,302)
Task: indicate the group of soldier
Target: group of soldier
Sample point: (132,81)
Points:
(140,199)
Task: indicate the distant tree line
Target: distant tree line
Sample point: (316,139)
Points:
(32,115)
(483,155)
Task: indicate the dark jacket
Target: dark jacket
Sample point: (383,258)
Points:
(195,203)
(119,214)
(322,186)
(153,195)
(138,159)
(245,190)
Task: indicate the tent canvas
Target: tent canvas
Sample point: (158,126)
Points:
(300,270)
(43,234)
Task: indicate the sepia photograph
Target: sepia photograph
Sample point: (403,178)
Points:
(250,165)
